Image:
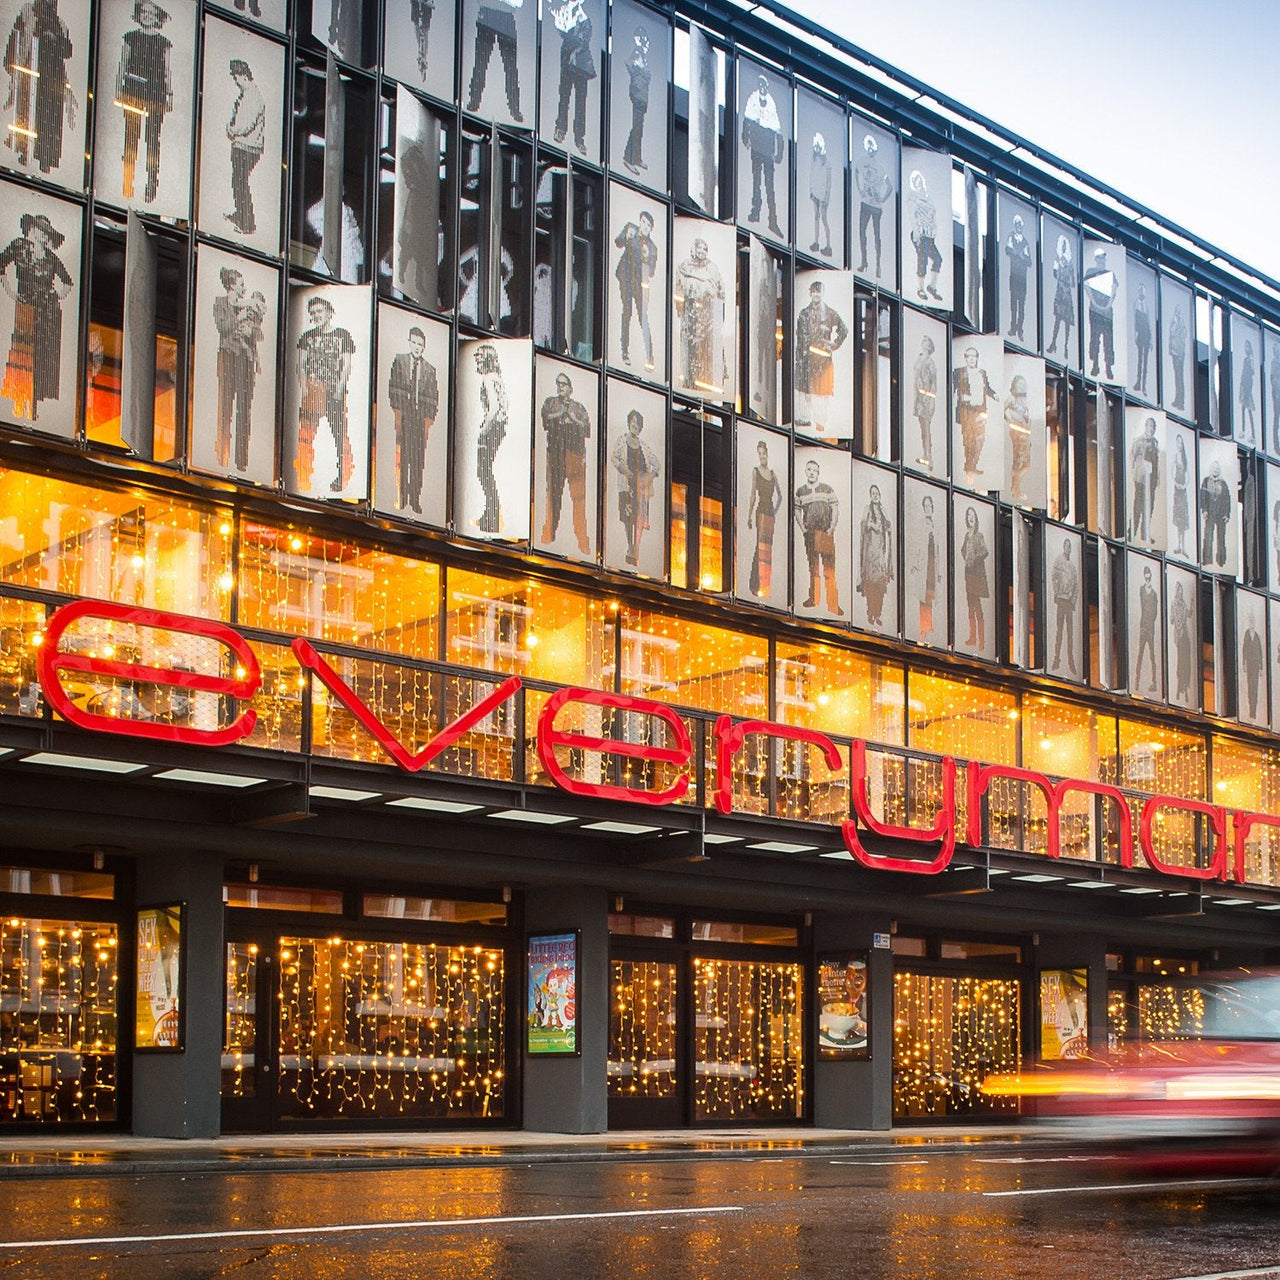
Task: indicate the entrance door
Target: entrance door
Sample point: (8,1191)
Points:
(646,1079)
(248,1053)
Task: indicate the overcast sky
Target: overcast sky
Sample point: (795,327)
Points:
(1175,103)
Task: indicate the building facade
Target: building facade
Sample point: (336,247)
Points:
(616,566)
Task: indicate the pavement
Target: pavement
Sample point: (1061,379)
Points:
(54,1155)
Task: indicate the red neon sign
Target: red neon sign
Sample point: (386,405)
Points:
(1227,861)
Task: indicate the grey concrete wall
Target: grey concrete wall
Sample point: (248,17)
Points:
(176,1095)
(564,1094)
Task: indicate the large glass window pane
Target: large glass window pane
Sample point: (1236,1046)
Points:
(954,717)
(642,1029)
(299,583)
(137,549)
(240,1021)
(840,692)
(58,984)
(1248,777)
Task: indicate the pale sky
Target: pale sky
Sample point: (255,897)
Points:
(1174,103)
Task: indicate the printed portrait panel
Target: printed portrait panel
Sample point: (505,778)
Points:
(241,137)
(822,162)
(1217,507)
(1063,648)
(1181,525)
(637,294)
(1025,477)
(925,376)
(573,41)
(1142,332)
(1106,307)
(764,344)
(822,508)
(764,499)
(326,422)
(975,235)
(977,435)
(704,309)
(1271,391)
(499,61)
(233,400)
(704,123)
(822,372)
(1178,349)
(1107,675)
(764,150)
(1018,274)
(1246,382)
(1252,700)
(1274,662)
(142,135)
(1145,617)
(875,203)
(411,394)
(270,13)
(876,534)
(640,91)
(635,489)
(973,535)
(40,309)
(1022,588)
(926,228)
(1272,525)
(566,447)
(46,105)
(418,45)
(415,248)
(926,555)
(1147,471)
(492,426)
(1182,638)
(1060,291)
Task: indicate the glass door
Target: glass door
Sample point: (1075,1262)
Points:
(644,1072)
(247,1026)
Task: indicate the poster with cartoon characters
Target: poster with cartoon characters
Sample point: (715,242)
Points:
(553,984)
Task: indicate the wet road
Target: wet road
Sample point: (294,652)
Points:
(952,1216)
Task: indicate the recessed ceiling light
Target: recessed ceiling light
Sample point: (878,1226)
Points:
(782,846)
(1038,878)
(621,828)
(842,854)
(54,760)
(1089,884)
(710,837)
(342,793)
(436,806)
(208,779)
(532,816)
(1139,889)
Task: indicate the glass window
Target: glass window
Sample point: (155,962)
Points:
(674,660)
(21,632)
(493,251)
(699,465)
(1068,741)
(136,549)
(953,717)
(967,950)
(299,583)
(265,897)
(528,628)
(642,1029)
(240,1021)
(568,298)
(58,987)
(1247,777)
(769,935)
(1160,759)
(642,926)
(446,910)
(57,884)
(817,686)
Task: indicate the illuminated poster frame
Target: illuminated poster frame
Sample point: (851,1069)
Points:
(160,979)
(844,1023)
(551,1013)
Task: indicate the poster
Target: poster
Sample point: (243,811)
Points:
(1018,294)
(764,486)
(1062,650)
(233,402)
(704,309)
(270,13)
(1064,1014)
(326,423)
(566,446)
(241,137)
(1217,506)
(1022,408)
(1180,526)
(640,88)
(635,467)
(1182,637)
(822,545)
(822,375)
(1178,349)
(418,45)
(573,40)
(925,376)
(1060,292)
(927,265)
(1141,330)
(1271,393)
(44,114)
(1147,500)
(415,248)
(411,396)
(1145,616)
(1246,382)
(973,535)
(704,124)
(637,297)
(875,187)
(821,176)
(977,444)
(876,535)
(1106,301)
(492,439)
(764,150)
(1274,663)
(552,990)
(764,334)
(844,1018)
(158,1018)
(1252,703)
(926,545)
(500,60)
